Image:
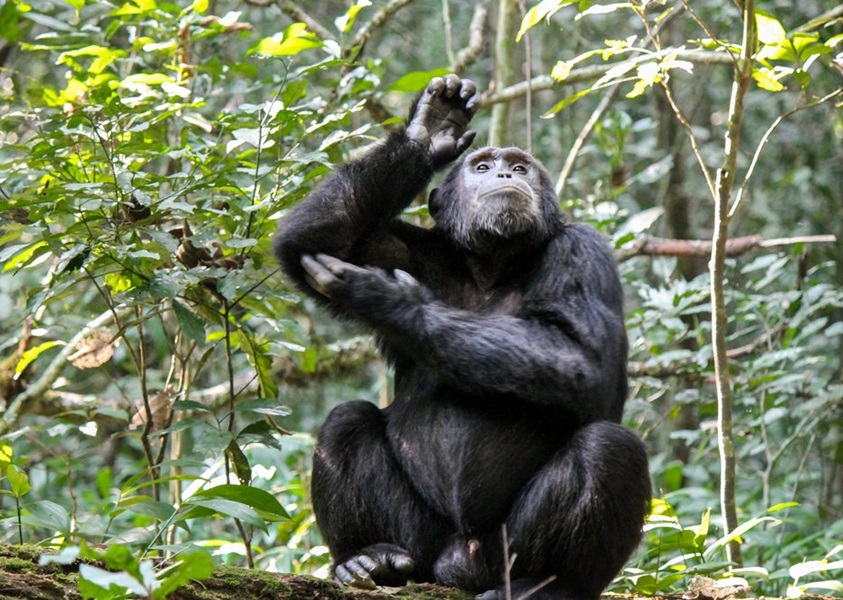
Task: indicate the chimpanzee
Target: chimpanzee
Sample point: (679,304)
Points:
(504,326)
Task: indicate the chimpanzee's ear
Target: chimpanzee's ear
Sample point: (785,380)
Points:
(434,203)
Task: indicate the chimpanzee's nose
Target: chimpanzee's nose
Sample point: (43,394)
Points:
(506,175)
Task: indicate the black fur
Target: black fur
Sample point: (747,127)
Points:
(510,378)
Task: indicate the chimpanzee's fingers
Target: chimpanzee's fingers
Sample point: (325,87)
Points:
(316,275)
(452,85)
(467,89)
(356,572)
(404,277)
(336,266)
(436,86)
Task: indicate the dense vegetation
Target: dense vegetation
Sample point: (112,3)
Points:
(161,383)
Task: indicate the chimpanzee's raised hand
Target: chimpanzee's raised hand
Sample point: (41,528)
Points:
(440,118)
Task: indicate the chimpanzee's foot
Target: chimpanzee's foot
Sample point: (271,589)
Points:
(378,564)
(465,563)
(532,589)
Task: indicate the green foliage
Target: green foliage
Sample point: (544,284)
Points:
(147,150)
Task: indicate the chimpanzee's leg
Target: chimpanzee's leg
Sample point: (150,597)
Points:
(580,517)
(372,519)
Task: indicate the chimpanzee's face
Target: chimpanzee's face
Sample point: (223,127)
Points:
(501,191)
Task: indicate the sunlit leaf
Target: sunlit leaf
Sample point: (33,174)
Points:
(6,455)
(543,10)
(21,255)
(603,9)
(561,70)
(32,353)
(346,22)
(294,40)
(766,80)
(770,30)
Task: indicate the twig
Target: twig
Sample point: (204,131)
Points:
(692,138)
(469,54)
(449,41)
(583,135)
(766,137)
(377,21)
(297,13)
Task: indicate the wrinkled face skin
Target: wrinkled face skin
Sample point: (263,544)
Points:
(501,191)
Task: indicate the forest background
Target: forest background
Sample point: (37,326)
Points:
(160,383)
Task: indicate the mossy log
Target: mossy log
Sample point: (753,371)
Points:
(22,577)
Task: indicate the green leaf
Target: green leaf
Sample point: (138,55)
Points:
(417,80)
(33,353)
(242,469)
(782,506)
(294,40)
(192,567)
(264,406)
(244,494)
(192,326)
(18,481)
(229,508)
(48,515)
(565,102)
(104,479)
(100,584)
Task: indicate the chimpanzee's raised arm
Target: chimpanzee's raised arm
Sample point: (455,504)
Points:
(352,208)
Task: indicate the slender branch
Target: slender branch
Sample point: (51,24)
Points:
(692,138)
(499,134)
(766,137)
(449,40)
(717,266)
(469,54)
(377,21)
(592,72)
(585,132)
(297,13)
